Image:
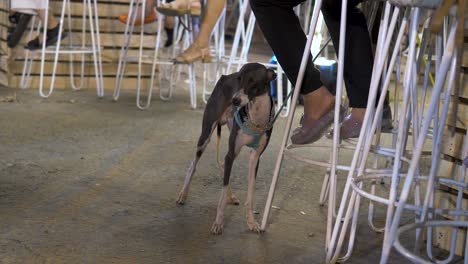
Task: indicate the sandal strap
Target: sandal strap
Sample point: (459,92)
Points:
(199,53)
(205,52)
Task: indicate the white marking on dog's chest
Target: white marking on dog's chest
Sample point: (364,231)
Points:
(259,110)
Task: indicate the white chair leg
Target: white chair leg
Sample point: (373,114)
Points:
(41,80)
(237,36)
(29,56)
(440,80)
(83,44)
(128,32)
(95,50)
(96,45)
(362,147)
(140,55)
(153,68)
(300,77)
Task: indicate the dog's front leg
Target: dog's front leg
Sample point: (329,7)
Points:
(235,146)
(203,141)
(253,166)
(218,224)
(188,178)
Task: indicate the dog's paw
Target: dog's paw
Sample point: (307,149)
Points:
(217,228)
(254,226)
(232,199)
(182,197)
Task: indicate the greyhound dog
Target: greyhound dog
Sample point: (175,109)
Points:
(243,102)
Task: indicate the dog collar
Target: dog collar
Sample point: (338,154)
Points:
(252,129)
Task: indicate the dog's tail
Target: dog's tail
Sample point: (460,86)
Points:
(218,142)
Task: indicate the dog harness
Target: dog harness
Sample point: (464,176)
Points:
(250,128)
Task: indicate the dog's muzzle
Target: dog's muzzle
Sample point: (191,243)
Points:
(236,101)
(239,98)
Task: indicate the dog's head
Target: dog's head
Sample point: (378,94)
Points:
(254,80)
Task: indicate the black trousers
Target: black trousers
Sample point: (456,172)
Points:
(282,29)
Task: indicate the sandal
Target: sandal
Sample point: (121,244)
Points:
(311,131)
(350,128)
(150,18)
(192,54)
(51,38)
(180,7)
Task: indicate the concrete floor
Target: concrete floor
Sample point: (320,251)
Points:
(84,180)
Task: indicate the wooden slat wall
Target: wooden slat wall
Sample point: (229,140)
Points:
(111,40)
(4,50)
(458,118)
(450,166)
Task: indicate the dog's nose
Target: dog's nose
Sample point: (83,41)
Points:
(236,101)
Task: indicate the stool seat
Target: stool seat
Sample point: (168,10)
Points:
(430,4)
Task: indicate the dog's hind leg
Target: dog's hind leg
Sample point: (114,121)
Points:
(201,146)
(231,197)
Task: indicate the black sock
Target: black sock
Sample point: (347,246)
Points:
(170,36)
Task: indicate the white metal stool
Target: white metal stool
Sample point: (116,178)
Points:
(447,68)
(329,184)
(284,147)
(142,59)
(90,18)
(184,37)
(347,215)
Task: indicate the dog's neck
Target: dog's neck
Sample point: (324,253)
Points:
(259,109)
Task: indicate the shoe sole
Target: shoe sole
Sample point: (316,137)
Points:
(178,12)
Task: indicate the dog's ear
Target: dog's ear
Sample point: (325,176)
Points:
(244,79)
(241,80)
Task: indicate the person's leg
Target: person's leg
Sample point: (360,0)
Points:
(199,49)
(53,27)
(169,28)
(52,22)
(19,23)
(358,62)
(150,14)
(282,29)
